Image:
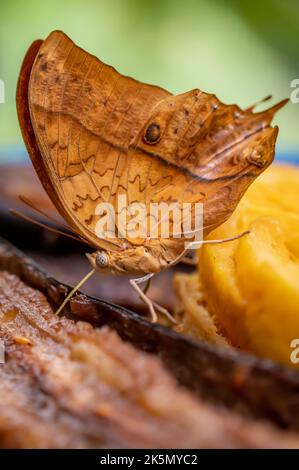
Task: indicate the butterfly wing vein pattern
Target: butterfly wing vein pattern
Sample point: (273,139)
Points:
(85,114)
(102,135)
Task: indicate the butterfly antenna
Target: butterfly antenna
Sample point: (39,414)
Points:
(40,224)
(74,290)
(30,204)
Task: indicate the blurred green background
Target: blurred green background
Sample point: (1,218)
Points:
(240,50)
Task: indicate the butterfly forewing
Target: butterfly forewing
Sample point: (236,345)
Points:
(84,115)
(102,135)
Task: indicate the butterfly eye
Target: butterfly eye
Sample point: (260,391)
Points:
(102,260)
(152,134)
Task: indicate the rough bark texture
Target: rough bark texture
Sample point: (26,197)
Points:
(228,377)
(67,384)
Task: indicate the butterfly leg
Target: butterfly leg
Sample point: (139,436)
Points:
(153,306)
(164,312)
(147,285)
(134,283)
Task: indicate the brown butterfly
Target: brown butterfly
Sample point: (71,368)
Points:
(95,136)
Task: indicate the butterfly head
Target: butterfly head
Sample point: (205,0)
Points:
(100,260)
(135,260)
